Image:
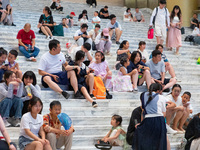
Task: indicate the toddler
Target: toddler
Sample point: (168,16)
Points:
(3,67)
(101,69)
(116,136)
(123,80)
(12,64)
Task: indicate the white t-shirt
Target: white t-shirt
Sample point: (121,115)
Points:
(178,102)
(79,32)
(145,55)
(127,13)
(116,25)
(28,122)
(195,31)
(93,34)
(51,63)
(161,17)
(75,50)
(96,19)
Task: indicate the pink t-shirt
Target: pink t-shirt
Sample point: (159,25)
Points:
(99,69)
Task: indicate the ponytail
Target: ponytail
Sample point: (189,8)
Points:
(154,87)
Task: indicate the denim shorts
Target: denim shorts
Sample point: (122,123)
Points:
(23,141)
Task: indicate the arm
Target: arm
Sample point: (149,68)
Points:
(89,56)
(122,51)
(16,66)
(22,44)
(33,43)
(31,135)
(4,131)
(7,93)
(152,16)
(162,76)
(42,73)
(124,72)
(21,87)
(36,90)
(115,136)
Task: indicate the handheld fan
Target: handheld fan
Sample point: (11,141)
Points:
(65,120)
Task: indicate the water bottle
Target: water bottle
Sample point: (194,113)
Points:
(29,47)
(28,90)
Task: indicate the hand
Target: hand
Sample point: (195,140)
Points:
(137,125)
(32,48)
(166,63)
(14,83)
(83,35)
(19,80)
(30,96)
(140,66)
(26,47)
(55,77)
(105,140)
(70,131)
(63,132)
(12,147)
(42,141)
(47,128)
(150,26)
(78,69)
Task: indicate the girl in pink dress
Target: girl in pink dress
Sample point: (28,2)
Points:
(122,82)
(174,33)
(101,69)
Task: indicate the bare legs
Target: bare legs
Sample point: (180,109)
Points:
(159,40)
(118,33)
(46,31)
(170,69)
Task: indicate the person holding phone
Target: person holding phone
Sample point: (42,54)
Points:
(103,41)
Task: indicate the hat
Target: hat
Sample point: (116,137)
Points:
(105,32)
(73,13)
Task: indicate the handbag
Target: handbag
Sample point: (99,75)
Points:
(150,33)
(182,30)
(58,30)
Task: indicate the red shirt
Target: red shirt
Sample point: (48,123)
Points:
(26,37)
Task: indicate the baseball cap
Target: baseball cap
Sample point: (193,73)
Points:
(105,32)
(73,13)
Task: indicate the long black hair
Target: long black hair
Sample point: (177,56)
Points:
(48,10)
(31,75)
(173,12)
(134,54)
(122,44)
(154,87)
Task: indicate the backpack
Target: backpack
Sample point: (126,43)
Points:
(58,30)
(154,18)
(99,89)
(196,40)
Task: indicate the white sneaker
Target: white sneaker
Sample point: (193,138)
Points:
(170,130)
(6,123)
(135,90)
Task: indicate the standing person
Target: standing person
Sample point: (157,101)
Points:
(46,23)
(32,135)
(81,36)
(114,28)
(174,33)
(31,89)
(151,132)
(128,16)
(56,136)
(103,41)
(138,16)
(7,144)
(144,53)
(157,70)
(10,94)
(70,20)
(50,68)
(103,13)
(26,40)
(160,16)
(194,21)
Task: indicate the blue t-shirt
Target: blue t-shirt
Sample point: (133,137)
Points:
(164,57)
(156,69)
(133,66)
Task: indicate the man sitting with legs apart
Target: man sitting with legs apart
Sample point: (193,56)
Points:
(52,126)
(26,40)
(157,70)
(159,18)
(114,28)
(82,36)
(50,67)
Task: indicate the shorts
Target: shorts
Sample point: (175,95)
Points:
(63,79)
(23,142)
(161,31)
(166,81)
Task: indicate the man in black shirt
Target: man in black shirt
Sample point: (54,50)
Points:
(104,13)
(135,119)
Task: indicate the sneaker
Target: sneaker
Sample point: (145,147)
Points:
(13,24)
(93,97)
(117,42)
(47,37)
(94,104)
(6,123)
(16,122)
(135,90)
(65,94)
(32,59)
(5,23)
(170,130)
(166,90)
(78,95)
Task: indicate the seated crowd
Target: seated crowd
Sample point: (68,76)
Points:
(20,95)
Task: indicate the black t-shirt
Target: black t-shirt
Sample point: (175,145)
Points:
(44,19)
(1,8)
(136,115)
(103,11)
(81,16)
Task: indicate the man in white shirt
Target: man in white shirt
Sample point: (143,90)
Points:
(50,67)
(114,27)
(82,36)
(161,16)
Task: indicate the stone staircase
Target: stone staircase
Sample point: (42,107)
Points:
(93,123)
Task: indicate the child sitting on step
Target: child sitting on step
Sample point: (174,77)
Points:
(116,136)
(12,64)
(3,67)
(101,69)
(122,82)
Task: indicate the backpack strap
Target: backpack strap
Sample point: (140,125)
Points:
(154,18)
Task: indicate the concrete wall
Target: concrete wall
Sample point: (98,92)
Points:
(187,8)
(141,3)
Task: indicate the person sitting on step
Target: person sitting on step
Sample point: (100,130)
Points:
(114,29)
(56,4)
(50,68)
(157,70)
(103,13)
(138,16)
(56,136)
(46,23)
(93,34)
(26,40)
